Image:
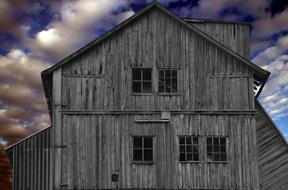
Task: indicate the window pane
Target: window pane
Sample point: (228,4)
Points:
(148,142)
(216,148)
(148,155)
(195,157)
(147,74)
(161,87)
(136,87)
(223,157)
(147,87)
(168,89)
(174,89)
(182,140)
(210,156)
(182,157)
(167,73)
(182,148)
(223,149)
(137,142)
(136,74)
(188,140)
(216,157)
(209,140)
(168,78)
(137,155)
(215,141)
(195,149)
(189,148)
(168,82)
(189,157)
(195,140)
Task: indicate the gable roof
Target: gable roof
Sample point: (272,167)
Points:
(261,72)
(260,75)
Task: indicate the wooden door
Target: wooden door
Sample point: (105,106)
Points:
(165,159)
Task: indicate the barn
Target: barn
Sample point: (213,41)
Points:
(158,102)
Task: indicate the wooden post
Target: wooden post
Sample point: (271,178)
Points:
(56,125)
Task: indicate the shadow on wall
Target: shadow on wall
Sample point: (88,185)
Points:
(5,170)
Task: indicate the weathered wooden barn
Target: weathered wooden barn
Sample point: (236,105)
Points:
(158,102)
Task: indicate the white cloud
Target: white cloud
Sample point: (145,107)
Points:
(73,28)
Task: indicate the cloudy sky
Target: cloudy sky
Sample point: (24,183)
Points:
(35,34)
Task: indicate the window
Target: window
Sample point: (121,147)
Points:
(142,149)
(167,81)
(216,149)
(141,80)
(189,148)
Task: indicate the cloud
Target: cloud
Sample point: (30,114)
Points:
(213,9)
(274,96)
(23,107)
(74,26)
(267,26)
(273,52)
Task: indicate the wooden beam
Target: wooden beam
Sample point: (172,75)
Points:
(153,112)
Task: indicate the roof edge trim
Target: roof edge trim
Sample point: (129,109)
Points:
(12,145)
(272,122)
(261,72)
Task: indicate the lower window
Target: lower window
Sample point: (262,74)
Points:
(189,148)
(216,149)
(142,148)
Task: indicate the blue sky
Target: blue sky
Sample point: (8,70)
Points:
(35,34)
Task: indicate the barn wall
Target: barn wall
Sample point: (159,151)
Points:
(31,162)
(272,154)
(99,145)
(94,111)
(236,36)
(208,78)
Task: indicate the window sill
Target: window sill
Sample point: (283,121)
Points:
(143,162)
(168,94)
(189,162)
(218,162)
(142,94)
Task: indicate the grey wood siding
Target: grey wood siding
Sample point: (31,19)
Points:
(206,74)
(272,154)
(99,145)
(31,162)
(233,35)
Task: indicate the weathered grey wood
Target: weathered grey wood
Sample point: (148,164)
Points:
(272,153)
(31,163)
(57,128)
(236,36)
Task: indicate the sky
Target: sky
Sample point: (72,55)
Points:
(35,34)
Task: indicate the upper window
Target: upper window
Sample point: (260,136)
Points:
(216,149)
(142,149)
(141,80)
(167,81)
(189,148)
